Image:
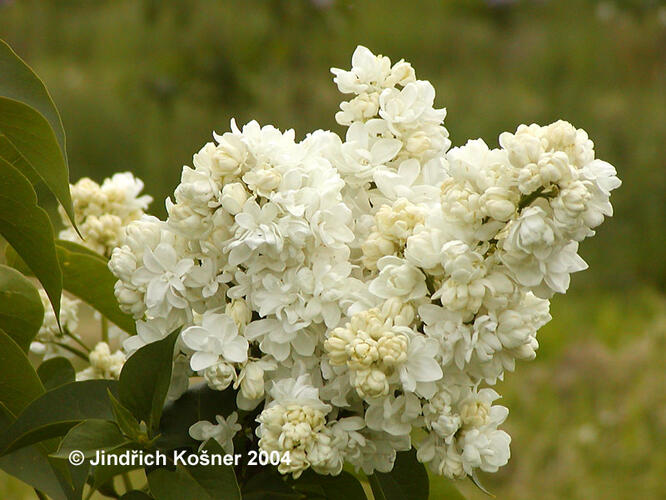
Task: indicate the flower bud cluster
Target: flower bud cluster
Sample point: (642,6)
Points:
(352,291)
(102,211)
(103,364)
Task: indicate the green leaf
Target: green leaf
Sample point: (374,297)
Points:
(197,403)
(21,309)
(33,467)
(27,228)
(19,384)
(79,248)
(86,275)
(212,482)
(20,83)
(28,133)
(31,124)
(341,487)
(124,418)
(55,372)
(443,487)
(90,436)
(31,464)
(103,474)
(407,481)
(145,379)
(269,484)
(57,411)
(136,495)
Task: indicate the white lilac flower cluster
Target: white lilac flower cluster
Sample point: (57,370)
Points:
(49,336)
(102,212)
(353,291)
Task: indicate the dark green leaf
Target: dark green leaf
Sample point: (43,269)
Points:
(57,411)
(20,83)
(136,495)
(269,484)
(19,383)
(33,467)
(55,372)
(341,487)
(21,309)
(13,260)
(199,482)
(145,379)
(86,275)
(30,133)
(31,464)
(103,474)
(407,481)
(197,403)
(90,436)
(128,424)
(79,248)
(27,228)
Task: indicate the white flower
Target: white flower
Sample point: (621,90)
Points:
(420,366)
(216,337)
(223,432)
(414,102)
(163,274)
(398,278)
(219,376)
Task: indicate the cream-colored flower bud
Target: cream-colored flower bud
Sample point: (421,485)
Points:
(234,196)
(362,353)
(219,376)
(361,108)
(474,413)
(371,322)
(252,384)
(399,312)
(371,383)
(240,312)
(374,248)
(397,222)
(392,349)
(336,345)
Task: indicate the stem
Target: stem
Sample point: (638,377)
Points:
(90,494)
(526,199)
(76,339)
(73,350)
(127,482)
(105,330)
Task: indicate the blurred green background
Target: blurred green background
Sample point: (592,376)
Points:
(142,84)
